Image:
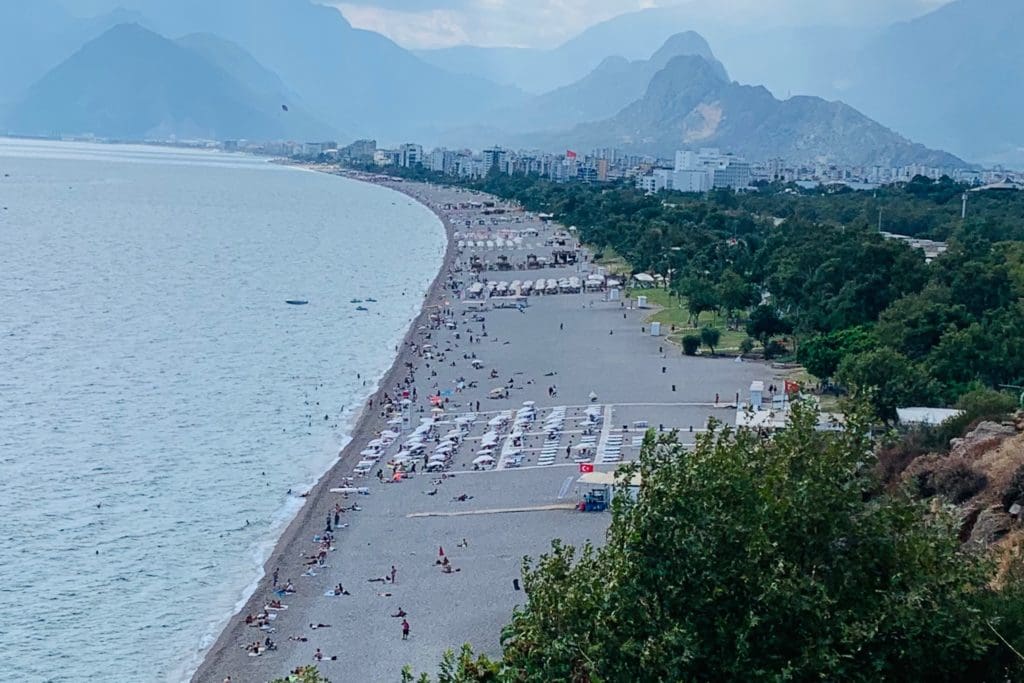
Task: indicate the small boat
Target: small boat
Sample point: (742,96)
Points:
(355,301)
(297,302)
(362,308)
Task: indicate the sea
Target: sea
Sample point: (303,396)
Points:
(161,405)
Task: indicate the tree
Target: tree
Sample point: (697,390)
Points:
(710,337)
(735,293)
(822,353)
(464,668)
(701,296)
(887,380)
(691,344)
(757,558)
(765,323)
(306,674)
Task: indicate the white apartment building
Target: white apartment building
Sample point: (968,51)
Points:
(721,170)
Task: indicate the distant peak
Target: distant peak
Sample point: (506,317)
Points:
(685,43)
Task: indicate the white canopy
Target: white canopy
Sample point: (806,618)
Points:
(483,460)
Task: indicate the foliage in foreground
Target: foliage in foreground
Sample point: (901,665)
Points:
(764,559)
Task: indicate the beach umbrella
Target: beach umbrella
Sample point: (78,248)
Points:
(388,434)
(483,460)
(436,465)
(529,404)
(437,411)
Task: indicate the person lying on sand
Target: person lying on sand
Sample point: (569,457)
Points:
(462,498)
(316,626)
(399,613)
(275,604)
(340,590)
(300,639)
(384,595)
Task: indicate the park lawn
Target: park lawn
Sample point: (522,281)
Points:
(672,311)
(615,263)
(729,342)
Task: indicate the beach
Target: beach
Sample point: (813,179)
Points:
(455,538)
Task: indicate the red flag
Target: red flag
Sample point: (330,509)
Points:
(569,154)
(586,467)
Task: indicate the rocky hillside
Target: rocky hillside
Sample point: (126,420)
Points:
(981,477)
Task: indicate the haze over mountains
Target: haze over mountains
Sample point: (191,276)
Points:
(618,83)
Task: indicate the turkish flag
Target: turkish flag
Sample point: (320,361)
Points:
(569,154)
(586,467)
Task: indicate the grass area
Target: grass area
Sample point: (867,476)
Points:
(672,311)
(615,263)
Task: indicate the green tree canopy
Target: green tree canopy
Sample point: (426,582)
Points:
(887,379)
(767,559)
(765,323)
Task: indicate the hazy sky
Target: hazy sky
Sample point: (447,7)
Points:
(546,23)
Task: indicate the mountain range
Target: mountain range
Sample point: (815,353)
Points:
(243,60)
(689,104)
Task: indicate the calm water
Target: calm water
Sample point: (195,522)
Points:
(158,398)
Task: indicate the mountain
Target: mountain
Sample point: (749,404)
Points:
(356,80)
(950,78)
(745,34)
(38,35)
(689,104)
(163,90)
(614,84)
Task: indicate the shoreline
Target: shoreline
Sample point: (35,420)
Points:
(291,542)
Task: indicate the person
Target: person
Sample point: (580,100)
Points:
(394,572)
(275,581)
(405,629)
(318,656)
(316,626)
(399,613)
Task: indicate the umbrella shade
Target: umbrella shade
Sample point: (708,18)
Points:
(483,460)
(436,465)
(388,434)
(529,403)
(484,451)
(437,410)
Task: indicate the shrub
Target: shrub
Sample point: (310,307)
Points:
(956,481)
(977,405)
(691,343)
(1014,492)
(747,345)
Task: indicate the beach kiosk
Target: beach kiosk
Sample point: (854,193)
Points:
(595,490)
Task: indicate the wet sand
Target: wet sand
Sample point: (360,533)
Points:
(577,344)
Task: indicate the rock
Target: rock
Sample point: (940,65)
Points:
(1015,510)
(991,525)
(984,437)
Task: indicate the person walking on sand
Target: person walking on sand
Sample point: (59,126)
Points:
(405,629)
(394,572)
(275,576)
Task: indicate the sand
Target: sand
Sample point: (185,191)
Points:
(579,344)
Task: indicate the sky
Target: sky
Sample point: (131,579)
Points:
(547,23)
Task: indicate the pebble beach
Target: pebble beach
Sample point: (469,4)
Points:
(581,363)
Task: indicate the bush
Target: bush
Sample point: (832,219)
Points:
(955,481)
(691,343)
(746,346)
(977,405)
(894,458)
(1014,492)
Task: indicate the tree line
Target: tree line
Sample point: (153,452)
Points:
(811,265)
